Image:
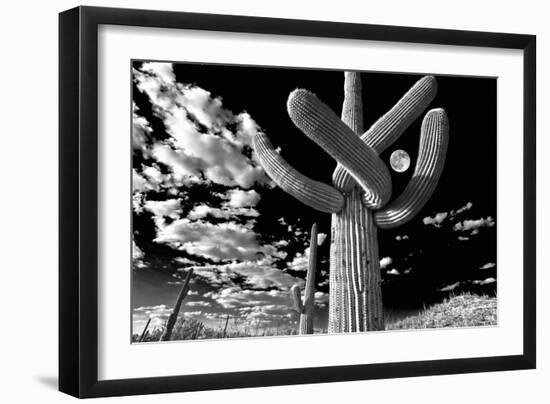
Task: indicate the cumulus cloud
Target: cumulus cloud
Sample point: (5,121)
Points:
(236,297)
(393,272)
(252,274)
(158,315)
(488,265)
(403,237)
(200,142)
(218,242)
(141,132)
(182,165)
(436,220)
(384,262)
(299,262)
(474,225)
(201,211)
(170,208)
(239,198)
(138,182)
(161,70)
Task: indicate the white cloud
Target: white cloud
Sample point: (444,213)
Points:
(139,184)
(464,208)
(213,150)
(190,314)
(202,211)
(474,225)
(384,262)
(198,303)
(163,71)
(235,297)
(436,220)
(182,164)
(141,132)
(218,242)
(321,298)
(299,262)
(393,272)
(488,265)
(136,251)
(170,208)
(403,237)
(239,198)
(158,315)
(137,256)
(321,237)
(253,274)
(486,281)
(448,288)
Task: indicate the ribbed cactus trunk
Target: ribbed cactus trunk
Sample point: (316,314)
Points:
(355,298)
(355,294)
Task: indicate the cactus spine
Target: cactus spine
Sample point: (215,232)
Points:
(174,315)
(306,308)
(358,198)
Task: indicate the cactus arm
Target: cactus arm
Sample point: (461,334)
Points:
(326,129)
(352,109)
(309,295)
(174,315)
(386,130)
(307,307)
(312,193)
(297,298)
(434,140)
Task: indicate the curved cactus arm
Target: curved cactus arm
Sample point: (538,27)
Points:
(297,298)
(325,128)
(386,130)
(434,140)
(313,193)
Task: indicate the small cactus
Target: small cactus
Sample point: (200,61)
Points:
(306,308)
(359,197)
(174,315)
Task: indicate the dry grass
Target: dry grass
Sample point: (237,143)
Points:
(194,329)
(464,310)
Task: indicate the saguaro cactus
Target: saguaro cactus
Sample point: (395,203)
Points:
(144,332)
(306,307)
(174,315)
(358,198)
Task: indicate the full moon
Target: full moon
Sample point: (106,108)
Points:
(400,161)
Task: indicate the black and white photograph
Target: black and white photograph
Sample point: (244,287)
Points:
(278,201)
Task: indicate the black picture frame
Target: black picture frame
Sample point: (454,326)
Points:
(78,200)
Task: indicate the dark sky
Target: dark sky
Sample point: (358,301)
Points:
(449,247)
